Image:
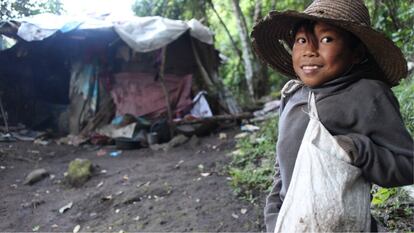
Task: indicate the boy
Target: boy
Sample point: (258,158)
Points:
(331,50)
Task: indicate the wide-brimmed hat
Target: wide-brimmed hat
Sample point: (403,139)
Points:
(273,37)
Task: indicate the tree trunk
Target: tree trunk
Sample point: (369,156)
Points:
(262,82)
(273,5)
(257,11)
(248,56)
(239,53)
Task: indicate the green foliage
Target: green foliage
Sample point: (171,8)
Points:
(396,20)
(382,195)
(405,95)
(252,165)
(391,207)
(18,8)
(174,9)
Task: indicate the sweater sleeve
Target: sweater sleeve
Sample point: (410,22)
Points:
(385,149)
(273,201)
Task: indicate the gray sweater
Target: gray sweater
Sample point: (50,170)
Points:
(360,110)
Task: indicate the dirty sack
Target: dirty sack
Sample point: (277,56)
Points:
(326,193)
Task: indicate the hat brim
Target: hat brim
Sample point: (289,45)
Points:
(272,39)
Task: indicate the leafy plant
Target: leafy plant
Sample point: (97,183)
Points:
(382,195)
(392,207)
(405,95)
(252,165)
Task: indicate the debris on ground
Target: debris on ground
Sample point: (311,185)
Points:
(222,136)
(241,135)
(65,207)
(249,128)
(74,140)
(115,153)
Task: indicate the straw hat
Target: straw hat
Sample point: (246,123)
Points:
(273,39)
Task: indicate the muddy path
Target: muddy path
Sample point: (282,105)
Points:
(184,189)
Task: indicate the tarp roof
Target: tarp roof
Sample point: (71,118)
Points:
(142,34)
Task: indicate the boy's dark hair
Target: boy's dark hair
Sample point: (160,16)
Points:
(309,26)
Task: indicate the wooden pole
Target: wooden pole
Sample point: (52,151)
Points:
(164,89)
(216,118)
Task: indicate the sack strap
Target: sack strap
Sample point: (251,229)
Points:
(312,110)
(290,87)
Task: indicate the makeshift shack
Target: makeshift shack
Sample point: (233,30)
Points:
(77,74)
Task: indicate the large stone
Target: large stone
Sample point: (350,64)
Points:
(35,176)
(178,140)
(80,170)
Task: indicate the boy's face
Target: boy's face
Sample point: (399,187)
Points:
(323,55)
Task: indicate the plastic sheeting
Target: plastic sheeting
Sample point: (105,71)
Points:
(6,42)
(140,95)
(142,34)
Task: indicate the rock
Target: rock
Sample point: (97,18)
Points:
(241,135)
(194,142)
(187,130)
(35,176)
(158,147)
(80,170)
(178,140)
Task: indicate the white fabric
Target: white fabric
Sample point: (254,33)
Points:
(149,33)
(142,34)
(201,108)
(326,193)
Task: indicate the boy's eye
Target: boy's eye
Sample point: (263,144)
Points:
(300,40)
(326,39)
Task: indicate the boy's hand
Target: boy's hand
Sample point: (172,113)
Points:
(347,144)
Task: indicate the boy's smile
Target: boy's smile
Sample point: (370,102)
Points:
(322,55)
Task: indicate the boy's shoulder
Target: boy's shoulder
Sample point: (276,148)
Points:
(370,88)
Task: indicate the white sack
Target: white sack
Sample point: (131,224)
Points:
(201,108)
(326,193)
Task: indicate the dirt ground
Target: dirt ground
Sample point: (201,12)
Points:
(184,189)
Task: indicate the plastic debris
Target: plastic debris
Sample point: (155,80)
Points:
(66,207)
(250,128)
(76,229)
(115,153)
(100,184)
(107,198)
(222,136)
(36,228)
(101,152)
(179,164)
(243,211)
